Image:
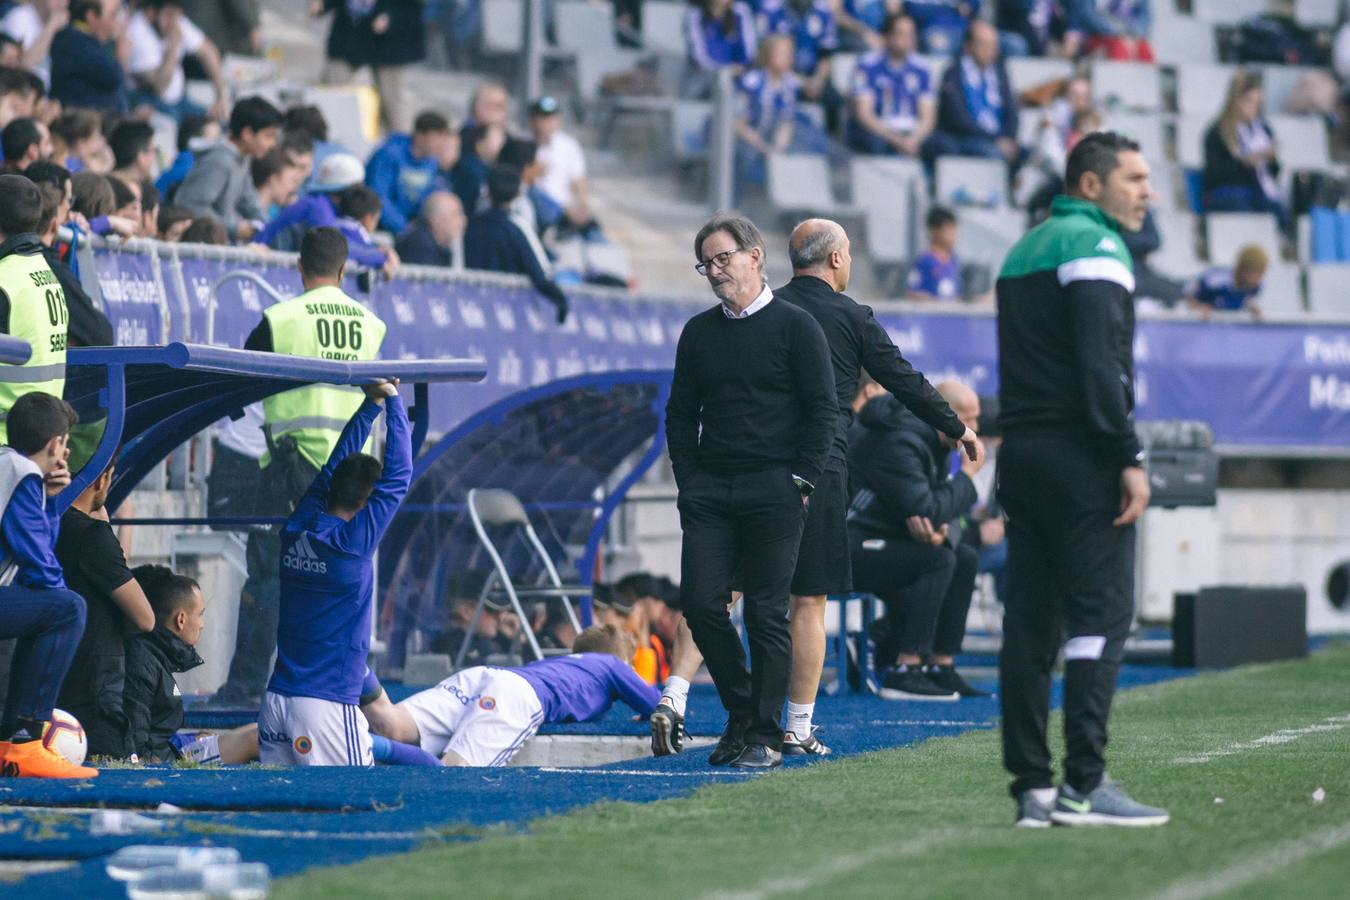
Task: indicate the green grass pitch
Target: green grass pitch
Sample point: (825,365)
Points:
(1235,756)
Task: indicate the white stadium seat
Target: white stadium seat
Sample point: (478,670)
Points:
(1282,291)
(1228,12)
(582,25)
(1177,257)
(503,22)
(1201,88)
(986,235)
(1229,232)
(663,27)
(876,182)
(1146,129)
(1276,84)
(1133,85)
(1190,144)
(1326,288)
(977,177)
(1317,13)
(800,182)
(1301,142)
(1183,39)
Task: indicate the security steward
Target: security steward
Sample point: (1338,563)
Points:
(302,428)
(1071,480)
(32,304)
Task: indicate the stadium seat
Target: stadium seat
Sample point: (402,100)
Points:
(594,63)
(1133,85)
(1302,142)
(1201,88)
(503,22)
(351,113)
(1317,13)
(1190,141)
(800,182)
(1276,84)
(1303,238)
(975,177)
(1029,71)
(580,25)
(1183,39)
(1146,128)
(1229,232)
(986,235)
(1326,289)
(689,129)
(879,182)
(663,27)
(842,66)
(1282,291)
(1177,257)
(890,242)
(1227,12)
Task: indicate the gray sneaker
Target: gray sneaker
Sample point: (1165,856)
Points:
(1031,813)
(1106,804)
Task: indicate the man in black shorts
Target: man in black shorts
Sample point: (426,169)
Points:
(819,251)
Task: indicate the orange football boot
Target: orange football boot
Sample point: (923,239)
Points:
(32,760)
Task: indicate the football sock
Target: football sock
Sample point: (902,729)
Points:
(397,754)
(676,692)
(204,750)
(26,730)
(799,719)
(1045,796)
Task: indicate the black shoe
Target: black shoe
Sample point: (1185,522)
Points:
(910,683)
(809,747)
(667,730)
(731,743)
(757,756)
(947,678)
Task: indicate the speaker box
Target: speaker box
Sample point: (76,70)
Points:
(1217,627)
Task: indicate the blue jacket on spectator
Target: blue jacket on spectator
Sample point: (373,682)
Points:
(493,242)
(711,46)
(173,176)
(86,73)
(941,13)
(402,181)
(1109,18)
(317,211)
(967,110)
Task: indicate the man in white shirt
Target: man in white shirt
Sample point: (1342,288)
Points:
(564,164)
(161,38)
(33,25)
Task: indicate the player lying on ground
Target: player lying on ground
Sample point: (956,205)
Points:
(482,716)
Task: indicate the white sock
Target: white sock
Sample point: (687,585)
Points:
(677,692)
(799,719)
(1045,796)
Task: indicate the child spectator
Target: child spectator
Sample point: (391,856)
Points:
(172,222)
(220,183)
(277,179)
(24,142)
(936,273)
(45,615)
(1231,290)
(88,327)
(767,122)
(358,209)
(133,149)
(149,209)
(205,230)
(78,142)
(406,168)
(127,203)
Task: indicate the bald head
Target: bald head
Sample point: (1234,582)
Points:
(444,215)
(963,401)
(820,247)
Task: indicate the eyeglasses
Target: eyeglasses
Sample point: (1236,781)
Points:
(719,261)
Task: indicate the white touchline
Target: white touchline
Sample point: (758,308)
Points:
(1281,856)
(843,864)
(652,773)
(1283,736)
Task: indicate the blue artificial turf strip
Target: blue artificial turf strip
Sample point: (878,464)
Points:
(295,819)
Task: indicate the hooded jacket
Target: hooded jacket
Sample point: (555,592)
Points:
(897,469)
(151,699)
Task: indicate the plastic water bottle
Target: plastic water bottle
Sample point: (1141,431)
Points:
(121,821)
(236,881)
(132,862)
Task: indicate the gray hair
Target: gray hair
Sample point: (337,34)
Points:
(812,249)
(741,229)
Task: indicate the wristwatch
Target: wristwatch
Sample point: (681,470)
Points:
(803,485)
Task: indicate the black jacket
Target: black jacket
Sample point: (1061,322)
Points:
(151,699)
(898,468)
(354,41)
(88,327)
(494,243)
(857,342)
(953,115)
(1223,169)
(417,246)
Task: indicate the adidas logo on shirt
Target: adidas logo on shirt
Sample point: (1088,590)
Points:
(302,558)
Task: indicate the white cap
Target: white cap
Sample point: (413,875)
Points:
(336,172)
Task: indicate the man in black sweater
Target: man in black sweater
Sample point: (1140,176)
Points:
(749,424)
(821,264)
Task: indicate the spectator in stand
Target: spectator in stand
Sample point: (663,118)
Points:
(220,183)
(436,237)
(1029,27)
(34,25)
(96,568)
(1235,289)
(161,37)
(496,243)
(815,33)
(195,134)
(936,272)
(234,26)
(172,222)
(767,122)
(1114,29)
(85,72)
(563,164)
(206,230)
(133,148)
(1150,285)
(382,34)
(309,122)
(127,203)
(300,148)
(490,106)
(149,209)
(24,142)
(406,168)
(78,142)
(479,154)
(358,209)
(11,52)
(533,210)
(720,33)
(977,112)
(893,109)
(92,197)
(1242,166)
(941,23)
(277,178)
(88,326)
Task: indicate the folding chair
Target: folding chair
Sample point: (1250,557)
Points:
(861,653)
(499,508)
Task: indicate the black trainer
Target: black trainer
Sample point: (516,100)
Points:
(947,678)
(731,743)
(667,730)
(812,746)
(757,756)
(910,683)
